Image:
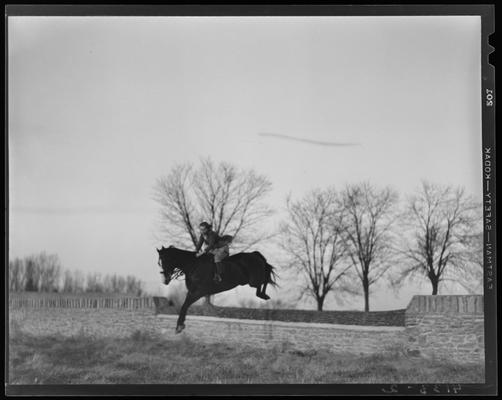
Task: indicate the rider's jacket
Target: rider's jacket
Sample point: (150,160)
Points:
(211,240)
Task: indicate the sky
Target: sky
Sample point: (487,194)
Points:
(100,107)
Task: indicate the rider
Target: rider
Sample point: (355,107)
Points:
(214,245)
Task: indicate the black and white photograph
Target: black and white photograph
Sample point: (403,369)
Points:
(227,200)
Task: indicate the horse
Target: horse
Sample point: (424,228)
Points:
(240,269)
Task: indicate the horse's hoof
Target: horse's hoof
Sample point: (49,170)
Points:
(264,296)
(179,328)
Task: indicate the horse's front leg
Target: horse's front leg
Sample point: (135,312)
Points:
(189,300)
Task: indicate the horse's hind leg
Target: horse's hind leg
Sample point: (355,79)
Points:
(260,292)
(265,296)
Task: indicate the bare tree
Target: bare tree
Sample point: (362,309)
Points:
(474,242)
(32,274)
(120,284)
(68,285)
(133,286)
(446,243)
(367,231)
(43,272)
(17,278)
(38,272)
(473,282)
(227,197)
(50,271)
(312,237)
(94,283)
(79,282)
(114,284)
(73,282)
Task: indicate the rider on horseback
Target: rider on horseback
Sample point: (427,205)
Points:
(214,245)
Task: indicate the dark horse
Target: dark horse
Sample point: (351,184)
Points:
(240,269)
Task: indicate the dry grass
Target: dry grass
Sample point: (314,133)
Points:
(149,358)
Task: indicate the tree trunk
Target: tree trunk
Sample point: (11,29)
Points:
(366,288)
(435,284)
(208,300)
(434,278)
(320,302)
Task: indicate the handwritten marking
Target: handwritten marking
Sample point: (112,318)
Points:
(392,389)
(425,388)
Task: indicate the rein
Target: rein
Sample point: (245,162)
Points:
(177,274)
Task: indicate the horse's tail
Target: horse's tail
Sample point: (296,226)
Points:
(269,270)
(272,276)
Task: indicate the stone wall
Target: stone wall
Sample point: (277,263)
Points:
(302,336)
(446,327)
(372,318)
(122,323)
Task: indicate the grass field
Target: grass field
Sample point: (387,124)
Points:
(146,358)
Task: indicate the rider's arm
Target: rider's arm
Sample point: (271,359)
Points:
(199,244)
(212,240)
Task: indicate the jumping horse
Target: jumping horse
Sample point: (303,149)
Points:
(239,269)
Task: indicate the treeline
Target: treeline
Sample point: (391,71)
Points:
(337,241)
(346,240)
(44,273)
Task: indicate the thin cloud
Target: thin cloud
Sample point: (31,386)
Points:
(310,141)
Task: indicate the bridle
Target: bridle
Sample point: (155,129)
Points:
(175,272)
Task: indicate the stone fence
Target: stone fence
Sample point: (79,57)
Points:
(443,327)
(303,336)
(371,318)
(449,327)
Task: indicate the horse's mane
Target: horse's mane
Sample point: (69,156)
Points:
(177,254)
(171,248)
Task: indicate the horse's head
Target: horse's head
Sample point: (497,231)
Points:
(166,263)
(175,262)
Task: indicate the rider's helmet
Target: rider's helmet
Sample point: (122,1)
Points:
(206,225)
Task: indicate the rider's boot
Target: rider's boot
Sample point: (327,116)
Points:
(217,275)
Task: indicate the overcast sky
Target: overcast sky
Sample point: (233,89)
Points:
(100,107)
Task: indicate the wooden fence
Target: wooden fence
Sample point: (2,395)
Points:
(131,303)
